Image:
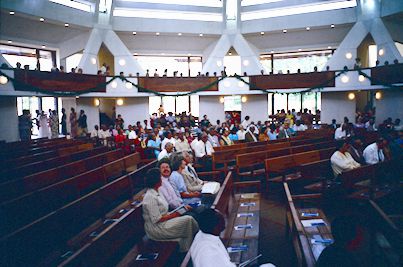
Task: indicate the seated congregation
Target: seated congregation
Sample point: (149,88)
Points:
(181,192)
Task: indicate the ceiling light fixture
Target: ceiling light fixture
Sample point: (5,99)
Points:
(261,33)
(179,34)
(157,33)
(66,25)
(9,41)
(284,31)
(134,33)
(42,19)
(308,28)
(332,26)
(201,35)
(12,12)
(43,46)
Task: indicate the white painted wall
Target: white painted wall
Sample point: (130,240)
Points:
(211,106)
(336,105)
(133,109)
(390,105)
(8,119)
(255,107)
(88,105)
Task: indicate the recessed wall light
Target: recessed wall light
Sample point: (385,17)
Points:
(12,12)
(134,33)
(299,49)
(272,51)
(66,25)
(230,53)
(189,54)
(179,34)
(329,47)
(201,35)
(43,46)
(308,28)
(136,54)
(42,19)
(157,33)
(332,26)
(9,41)
(261,33)
(284,31)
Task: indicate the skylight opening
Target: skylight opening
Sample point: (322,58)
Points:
(204,3)
(257,2)
(167,14)
(73,4)
(295,10)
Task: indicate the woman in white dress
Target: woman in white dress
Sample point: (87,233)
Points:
(161,225)
(43,125)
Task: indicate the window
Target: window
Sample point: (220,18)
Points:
(167,14)
(306,61)
(171,63)
(310,100)
(208,3)
(294,102)
(28,56)
(74,4)
(297,9)
(232,103)
(175,104)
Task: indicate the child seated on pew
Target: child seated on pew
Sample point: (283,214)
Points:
(160,225)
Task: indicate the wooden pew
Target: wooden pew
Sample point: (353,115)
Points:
(25,209)
(56,236)
(17,187)
(46,159)
(306,251)
(251,164)
(226,157)
(14,154)
(230,205)
(286,168)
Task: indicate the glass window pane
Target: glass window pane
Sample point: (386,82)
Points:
(171,64)
(265,60)
(196,66)
(182,104)
(194,105)
(294,102)
(305,61)
(26,56)
(48,103)
(318,101)
(169,104)
(232,103)
(45,59)
(154,103)
(280,102)
(308,101)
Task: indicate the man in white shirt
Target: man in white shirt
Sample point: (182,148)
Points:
(207,249)
(194,142)
(181,144)
(299,127)
(246,122)
(373,153)
(342,161)
(95,132)
(213,138)
(340,132)
(241,133)
(104,133)
(166,152)
(132,134)
(168,139)
(203,151)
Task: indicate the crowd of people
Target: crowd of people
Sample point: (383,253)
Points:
(48,124)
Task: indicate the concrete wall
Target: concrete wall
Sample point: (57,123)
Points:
(133,109)
(8,119)
(88,105)
(255,107)
(336,105)
(211,106)
(390,105)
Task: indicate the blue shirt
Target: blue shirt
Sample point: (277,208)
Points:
(176,179)
(272,136)
(233,137)
(152,143)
